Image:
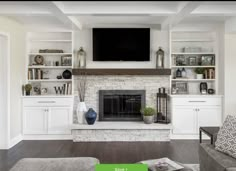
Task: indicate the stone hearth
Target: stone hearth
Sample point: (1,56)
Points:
(121,131)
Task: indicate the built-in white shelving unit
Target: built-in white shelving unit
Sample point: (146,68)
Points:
(191,50)
(45,75)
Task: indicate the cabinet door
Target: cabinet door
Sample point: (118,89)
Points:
(35,120)
(184,120)
(209,116)
(59,120)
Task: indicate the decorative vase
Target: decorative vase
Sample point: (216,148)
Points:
(66,74)
(27,93)
(91,116)
(199,76)
(148,119)
(81,110)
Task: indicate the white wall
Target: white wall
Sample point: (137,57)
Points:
(158,38)
(17,69)
(230,71)
(4,130)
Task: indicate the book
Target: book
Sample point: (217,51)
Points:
(162,164)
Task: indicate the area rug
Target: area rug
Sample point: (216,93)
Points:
(194,167)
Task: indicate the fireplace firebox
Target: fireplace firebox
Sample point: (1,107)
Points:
(121,105)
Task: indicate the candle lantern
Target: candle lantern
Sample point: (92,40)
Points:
(160,58)
(81,58)
(162,106)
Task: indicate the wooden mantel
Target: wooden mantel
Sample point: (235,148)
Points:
(110,71)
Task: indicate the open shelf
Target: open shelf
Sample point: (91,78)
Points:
(45,40)
(188,66)
(192,80)
(193,53)
(49,54)
(193,40)
(50,67)
(51,80)
(110,71)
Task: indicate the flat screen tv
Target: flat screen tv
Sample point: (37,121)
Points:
(121,44)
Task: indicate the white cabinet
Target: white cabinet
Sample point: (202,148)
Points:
(35,120)
(209,116)
(47,116)
(188,114)
(59,120)
(184,120)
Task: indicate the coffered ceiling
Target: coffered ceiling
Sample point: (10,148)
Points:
(85,14)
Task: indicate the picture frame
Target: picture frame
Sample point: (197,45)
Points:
(181,87)
(180,60)
(66,60)
(208,60)
(192,61)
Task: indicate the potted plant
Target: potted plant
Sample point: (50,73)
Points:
(148,115)
(28,88)
(199,73)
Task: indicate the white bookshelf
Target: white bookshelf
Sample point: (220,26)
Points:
(50,80)
(48,71)
(206,45)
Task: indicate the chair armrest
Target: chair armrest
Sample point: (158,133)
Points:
(214,138)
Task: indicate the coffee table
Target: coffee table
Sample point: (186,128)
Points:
(186,167)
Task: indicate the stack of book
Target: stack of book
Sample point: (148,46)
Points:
(67,89)
(35,74)
(209,74)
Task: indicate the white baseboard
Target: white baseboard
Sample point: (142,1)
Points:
(15,141)
(4,147)
(47,137)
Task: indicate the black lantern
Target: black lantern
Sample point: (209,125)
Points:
(162,106)
(160,58)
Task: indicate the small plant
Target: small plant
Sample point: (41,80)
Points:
(28,88)
(148,111)
(199,70)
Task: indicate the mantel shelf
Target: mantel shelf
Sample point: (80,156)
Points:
(109,71)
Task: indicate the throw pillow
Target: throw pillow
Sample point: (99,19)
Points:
(226,138)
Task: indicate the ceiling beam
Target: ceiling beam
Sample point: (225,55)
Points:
(184,10)
(55,8)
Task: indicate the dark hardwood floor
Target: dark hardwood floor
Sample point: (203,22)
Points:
(185,151)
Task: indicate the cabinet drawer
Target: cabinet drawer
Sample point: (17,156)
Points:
(196,101)
(47,101)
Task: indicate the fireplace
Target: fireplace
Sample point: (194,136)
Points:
(121,105)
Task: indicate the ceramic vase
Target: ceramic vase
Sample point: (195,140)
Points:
(199,76)
(91,116)
(148,119)
(81,110)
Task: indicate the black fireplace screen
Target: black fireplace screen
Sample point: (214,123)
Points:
(121,105)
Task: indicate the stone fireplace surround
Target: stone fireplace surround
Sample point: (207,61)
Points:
(110,131)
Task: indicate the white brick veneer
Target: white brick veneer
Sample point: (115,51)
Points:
(96,83)
(121,135)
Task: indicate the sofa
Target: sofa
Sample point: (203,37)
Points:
(56,164)
(213,160)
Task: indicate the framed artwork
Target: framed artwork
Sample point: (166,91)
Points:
(208,60)
(192,61)
(66,60)
(180,61)
(181,87)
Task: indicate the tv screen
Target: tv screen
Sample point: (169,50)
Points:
(121,44)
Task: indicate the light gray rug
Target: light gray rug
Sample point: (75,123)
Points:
(195,167)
